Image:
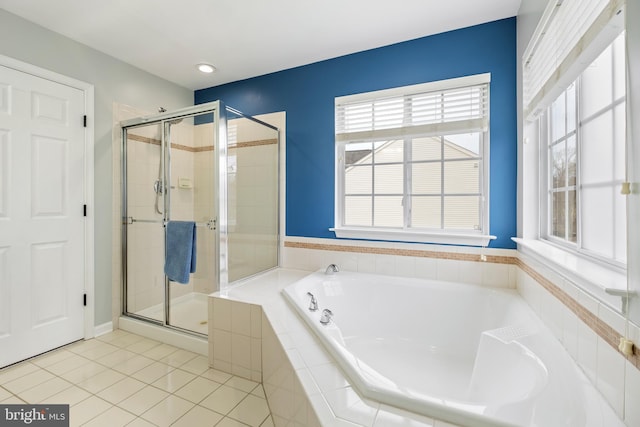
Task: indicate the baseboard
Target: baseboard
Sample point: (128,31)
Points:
(105,328)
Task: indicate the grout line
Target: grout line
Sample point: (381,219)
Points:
(92,394)
(601,328)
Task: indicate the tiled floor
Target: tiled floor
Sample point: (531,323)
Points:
(123,379)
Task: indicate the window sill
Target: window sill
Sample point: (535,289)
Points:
(412,236)
(608,284)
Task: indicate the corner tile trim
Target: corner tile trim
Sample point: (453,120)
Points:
(256,143)
(154,141)
(606,332)
(401,252)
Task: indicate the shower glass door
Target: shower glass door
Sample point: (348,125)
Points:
(143,228)
(190,167)
(170,174)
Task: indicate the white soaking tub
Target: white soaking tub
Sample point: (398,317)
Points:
(461,353)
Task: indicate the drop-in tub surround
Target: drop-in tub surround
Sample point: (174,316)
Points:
(460,353)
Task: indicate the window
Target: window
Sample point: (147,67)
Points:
(412,163)
(585,158)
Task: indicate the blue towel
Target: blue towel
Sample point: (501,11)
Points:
(180,253)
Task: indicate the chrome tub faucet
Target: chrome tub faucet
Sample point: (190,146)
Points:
(313,304)
(326,316)
(331,269)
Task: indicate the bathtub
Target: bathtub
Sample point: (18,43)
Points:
(460,353)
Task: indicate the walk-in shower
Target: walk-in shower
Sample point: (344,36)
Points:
(209,165)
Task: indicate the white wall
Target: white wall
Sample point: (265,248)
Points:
(114,81)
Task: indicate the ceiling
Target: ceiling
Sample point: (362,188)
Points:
(247,38)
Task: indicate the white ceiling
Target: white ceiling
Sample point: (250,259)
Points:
(247,38)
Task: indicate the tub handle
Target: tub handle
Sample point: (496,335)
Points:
(313,304)
(326,316)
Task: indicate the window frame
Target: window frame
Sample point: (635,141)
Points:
(546,215)
(407,232)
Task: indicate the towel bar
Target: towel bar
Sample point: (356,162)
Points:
(210,224)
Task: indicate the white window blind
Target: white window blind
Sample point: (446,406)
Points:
(570,35)
(440,108)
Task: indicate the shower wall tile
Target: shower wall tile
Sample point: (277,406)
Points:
(221,314)
(241,356)
(610,376)
(442,266)
(235,331)
(587,350)
(570,333)
(632,395)
(240,319)
(471,272)
(426,268)
(366,263)
(601,362)
(497,275)
(448,270)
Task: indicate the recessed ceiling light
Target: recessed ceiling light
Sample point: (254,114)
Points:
(206,68)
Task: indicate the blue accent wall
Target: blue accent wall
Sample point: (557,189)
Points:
(307,95)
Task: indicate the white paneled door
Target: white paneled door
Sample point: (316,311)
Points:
(42,223)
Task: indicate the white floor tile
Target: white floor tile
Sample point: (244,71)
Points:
(197,365)
(72,396)
(198,417)
(139,422)
(251,410)
(84,372)
(112,417)
(230,422)
(241,384)
(51,358)
(216,375)
(143,400)
(27,381)
(16,371)
(224,399)
(167,411)
(116,358)
(86,410)
(4,394)
(123,379)
(178,358)
(143,346)
(174,380)
(196,390)
(160,351)
(44,390)
(121,390)
(152,372)
(101,380)
(133,364)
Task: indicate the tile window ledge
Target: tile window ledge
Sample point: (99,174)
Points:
(608,284)
(397,235)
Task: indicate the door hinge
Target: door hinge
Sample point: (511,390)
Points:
(84,300)
(84,210)
(84,121)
